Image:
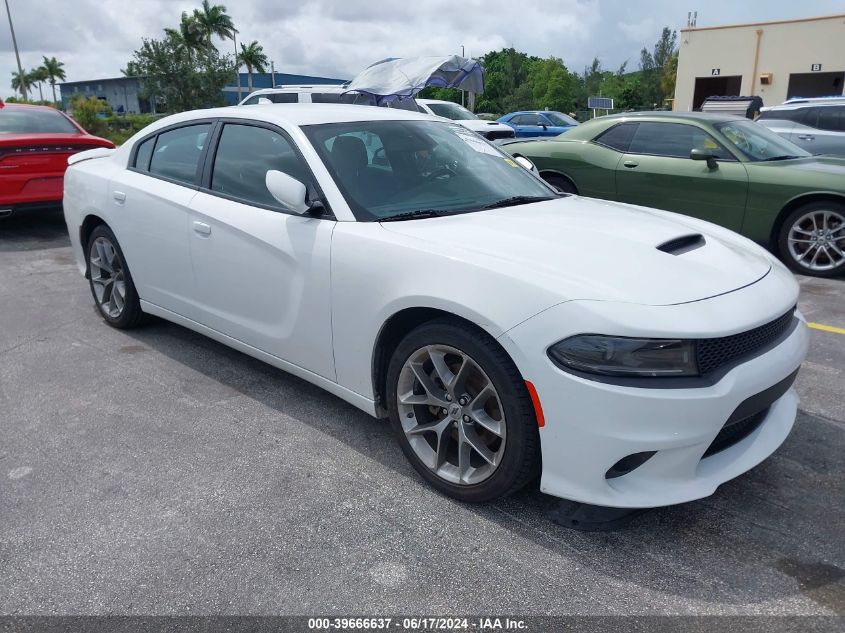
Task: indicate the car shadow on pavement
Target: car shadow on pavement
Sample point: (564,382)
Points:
(773,532)
(32,231)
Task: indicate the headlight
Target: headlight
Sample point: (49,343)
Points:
(621,356)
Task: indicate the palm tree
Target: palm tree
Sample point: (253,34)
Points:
(54,70)
(189,35)
(253,57)
(213,20)
(21,83)
(36,77)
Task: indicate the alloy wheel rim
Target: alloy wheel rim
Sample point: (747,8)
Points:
(451,414)
(816,240)
(107,277)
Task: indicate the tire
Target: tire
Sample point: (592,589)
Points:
(475,361)
(561,183)
(108,274)
(812,239)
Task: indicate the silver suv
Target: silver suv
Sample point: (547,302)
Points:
(817,125)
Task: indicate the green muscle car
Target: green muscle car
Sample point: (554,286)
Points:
(724,169)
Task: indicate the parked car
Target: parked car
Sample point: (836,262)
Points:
(491,130)
(633,357)
(816,125)
(35,142)
(322,94)
(538,122)
(720,168)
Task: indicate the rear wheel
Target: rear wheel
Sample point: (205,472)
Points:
(111,282)
(812,239)
(461,412)
(561,183)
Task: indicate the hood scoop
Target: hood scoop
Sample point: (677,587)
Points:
(682,244)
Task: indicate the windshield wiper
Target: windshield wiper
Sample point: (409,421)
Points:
(415,215)
(515,200)
(784,157)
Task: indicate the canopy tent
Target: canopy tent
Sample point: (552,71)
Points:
(400,78)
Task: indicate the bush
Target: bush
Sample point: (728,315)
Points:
(89,113)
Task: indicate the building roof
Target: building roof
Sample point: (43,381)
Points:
(100,81)
(748,24)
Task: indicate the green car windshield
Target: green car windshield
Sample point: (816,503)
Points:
(758,143)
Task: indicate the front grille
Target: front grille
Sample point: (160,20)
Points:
(716,352)
(492,136)
(734,432)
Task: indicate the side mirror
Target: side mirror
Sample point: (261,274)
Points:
(524,163)
(544,126)
(703,154)
(288,191)
(263,101)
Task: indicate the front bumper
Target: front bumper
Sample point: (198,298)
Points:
(590,426)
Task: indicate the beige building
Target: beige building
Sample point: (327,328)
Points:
(775,60)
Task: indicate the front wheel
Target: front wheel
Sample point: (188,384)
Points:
(561,183)
(111,282)
(461,412)
(812,239)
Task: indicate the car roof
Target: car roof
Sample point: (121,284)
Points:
(298,114)
(711,117)
(30,106)
(437,101)
(309,88)
(816,102)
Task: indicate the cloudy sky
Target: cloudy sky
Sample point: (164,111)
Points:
(337,38)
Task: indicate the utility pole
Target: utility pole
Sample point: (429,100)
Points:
(17,55)
(462,55)
(272,74)
(237,65)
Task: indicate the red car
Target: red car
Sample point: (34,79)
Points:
(35,142)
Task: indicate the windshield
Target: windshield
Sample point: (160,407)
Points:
(387,168)
(452,111)
(34,121)
(757,142)
(560,119)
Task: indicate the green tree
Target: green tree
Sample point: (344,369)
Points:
(213,20)
(21,83)
(87,112)
(54,70)
(253,57)
(552,85)
(189,36)
(654,65)
(184,79)
(37,76)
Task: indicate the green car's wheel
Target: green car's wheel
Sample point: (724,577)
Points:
(561,183)
(812,239)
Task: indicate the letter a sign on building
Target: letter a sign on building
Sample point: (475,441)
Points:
(715,71)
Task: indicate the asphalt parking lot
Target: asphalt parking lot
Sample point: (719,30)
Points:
(158,472)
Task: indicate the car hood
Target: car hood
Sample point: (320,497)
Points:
(833,165)
(580,248)
(481,126)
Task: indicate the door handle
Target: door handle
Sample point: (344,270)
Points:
(806,137)
(201,228)
(119,196)
(631,164)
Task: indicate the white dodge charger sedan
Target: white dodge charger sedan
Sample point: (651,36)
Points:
(630,357)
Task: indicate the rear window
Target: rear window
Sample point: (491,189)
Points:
(34,121)
(794,114)
(177,152)
(831,118)
(618,137)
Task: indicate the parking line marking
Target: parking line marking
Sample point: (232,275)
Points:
(826,328)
